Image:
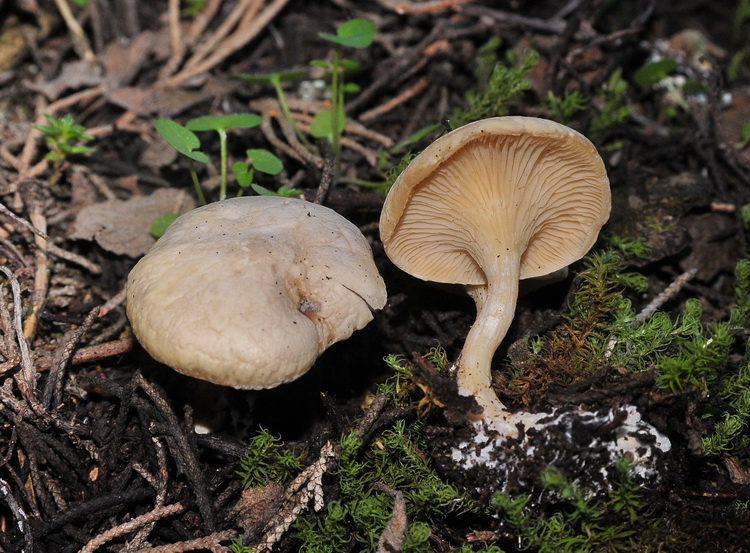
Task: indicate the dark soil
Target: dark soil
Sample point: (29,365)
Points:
(95,433)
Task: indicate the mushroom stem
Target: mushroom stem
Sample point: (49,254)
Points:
(496,304)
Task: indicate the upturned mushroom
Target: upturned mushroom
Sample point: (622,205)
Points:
(248,292)
(486,205)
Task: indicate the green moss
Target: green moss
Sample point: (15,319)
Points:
(564,110)
(397,458)
(495,97)
(581,521)
(600,329)
(267,460)
(730,433)
(610,106)
(581,345)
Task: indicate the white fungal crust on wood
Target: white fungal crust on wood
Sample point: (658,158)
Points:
(587,443)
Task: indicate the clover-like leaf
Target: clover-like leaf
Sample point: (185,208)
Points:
(322,124)
(653,72)
(264,161)
(356,33)
(160,224)
(224,122)
(280,76)
(243,173)
(181,139)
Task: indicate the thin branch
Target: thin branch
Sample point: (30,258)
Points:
(127,527)
(26,377)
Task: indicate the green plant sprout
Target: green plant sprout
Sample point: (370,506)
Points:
(744,137)
(193,7)
(330,123)
(221,124)
(161,223)
(64,139)
(265,162)
(275,79)
(652,72)
(187,143)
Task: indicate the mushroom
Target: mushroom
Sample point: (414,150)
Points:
(248,292)
(488,204)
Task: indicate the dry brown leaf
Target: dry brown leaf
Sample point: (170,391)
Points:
(74,75)
(122,226)
(123,62)
(166,102)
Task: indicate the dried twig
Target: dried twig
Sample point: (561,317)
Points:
(428,6)
(91,353)
(394,102)
(306,487)
(177,45)
(80,42)
(211,542)
(214,52)
(669,292)
(113,302)
(20,516)
(32,196)
(23,222)
(394,533)
(326,179)
(79,260)
(26,377)
(159,483)
(183,452)
(52,394)
(127,527)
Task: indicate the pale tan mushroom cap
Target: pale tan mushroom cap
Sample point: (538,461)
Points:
(249,291)
(501,183)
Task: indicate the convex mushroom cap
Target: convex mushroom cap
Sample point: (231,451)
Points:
(248,292)
(490,203)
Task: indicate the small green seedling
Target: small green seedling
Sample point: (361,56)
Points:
(652,72)
(161,223)
(656,73)
(275,79)
(187,143)
(283,192)
(330,123)
(64,139)
(744,137)
(193,7)
(221,124)
(265,162)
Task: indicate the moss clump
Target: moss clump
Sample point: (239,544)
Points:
(494,97)
(268,460)
(575,520)
(601,331)
(580,346)
(397,458)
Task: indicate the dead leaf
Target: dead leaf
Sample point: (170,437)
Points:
(122,226)
(74,75)
(166,102)
(123,61)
